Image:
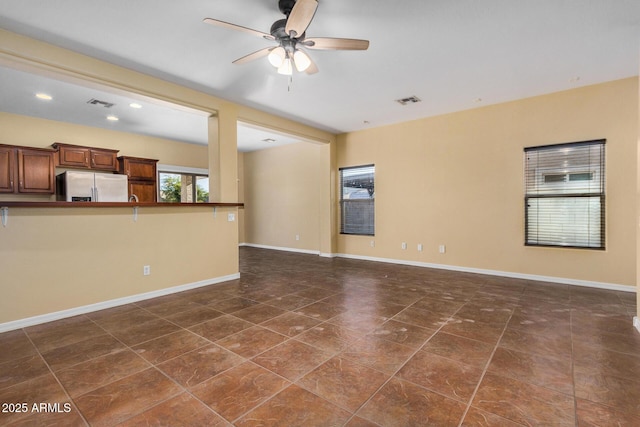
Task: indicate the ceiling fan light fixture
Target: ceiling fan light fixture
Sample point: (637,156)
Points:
(286,68)
(301,60)
(277,56)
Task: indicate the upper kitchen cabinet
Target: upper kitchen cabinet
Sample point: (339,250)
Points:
(7,169)
(142,177)
(79,157)
(26,170)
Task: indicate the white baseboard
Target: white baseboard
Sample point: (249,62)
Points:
(534,277)
(636,323)
(280,248)
(49,317)
(328,255)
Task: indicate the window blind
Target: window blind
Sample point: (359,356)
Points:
(565,195)
(357,200)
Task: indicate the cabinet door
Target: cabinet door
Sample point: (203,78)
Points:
(7,169)
(35,171)
(74,157)
(141,169)
(145,190)
(105,160)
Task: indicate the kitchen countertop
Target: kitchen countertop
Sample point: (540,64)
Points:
(18,204)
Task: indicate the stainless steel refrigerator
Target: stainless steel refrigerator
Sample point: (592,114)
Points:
(76,186)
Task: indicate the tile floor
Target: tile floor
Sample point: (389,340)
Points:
(301,340)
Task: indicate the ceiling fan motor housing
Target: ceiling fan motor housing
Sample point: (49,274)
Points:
(286,6)
(278,31)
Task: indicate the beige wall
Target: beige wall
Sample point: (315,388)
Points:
(58,259)
(283,196)
(457,180)
(34,132)
(637,319)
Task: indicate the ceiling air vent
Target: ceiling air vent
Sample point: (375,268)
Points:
(408,100)
(105,104)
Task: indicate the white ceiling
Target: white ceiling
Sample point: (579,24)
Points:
(453,55)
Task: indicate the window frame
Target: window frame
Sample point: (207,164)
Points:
(567,189)
(181,170)
(345,201)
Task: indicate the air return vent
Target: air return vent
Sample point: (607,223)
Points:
(105,104)
(408,100)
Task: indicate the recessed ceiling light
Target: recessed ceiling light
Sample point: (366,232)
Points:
(477,100)
(575,79)
(44,96)
(112,118)
(135,105)
(269,140)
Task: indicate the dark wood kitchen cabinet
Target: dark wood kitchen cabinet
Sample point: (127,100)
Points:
(142,177)
(27,170)
(7,169)
(80,157)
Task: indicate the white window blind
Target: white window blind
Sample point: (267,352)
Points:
(565,195)
(357,198)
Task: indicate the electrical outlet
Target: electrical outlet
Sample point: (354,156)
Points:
(146,270)
(419,247)
(231,217)
(442,249)
(372,243)
(297,237)
(404,246)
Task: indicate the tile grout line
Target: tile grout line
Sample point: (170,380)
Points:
(64,389)
(392,376)
(486,368)
(155,367)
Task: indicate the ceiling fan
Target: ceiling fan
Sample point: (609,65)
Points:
(290,35)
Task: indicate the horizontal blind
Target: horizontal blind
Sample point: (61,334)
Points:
(357,200)
(565,195)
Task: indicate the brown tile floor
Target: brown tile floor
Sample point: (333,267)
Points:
(301,340)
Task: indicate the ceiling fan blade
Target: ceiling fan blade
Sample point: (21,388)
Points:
(312,68)
(238,28)
(255,55)
(300,17)
(329,43)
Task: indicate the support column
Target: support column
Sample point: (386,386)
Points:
(328,231)
(223,156)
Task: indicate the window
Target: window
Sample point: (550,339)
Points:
(182,185)
(565,195)
(357,195)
